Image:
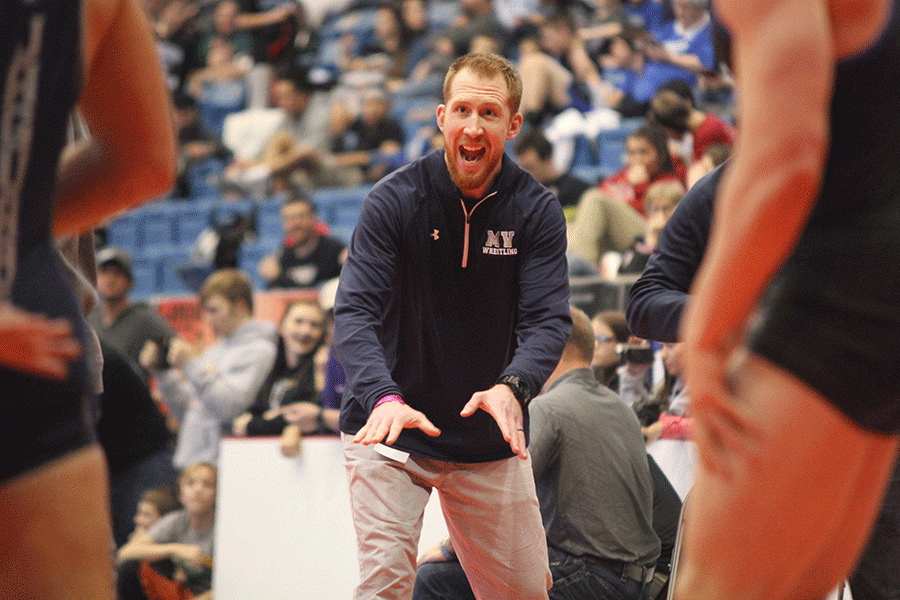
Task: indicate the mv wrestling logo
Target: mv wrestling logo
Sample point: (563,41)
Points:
(500,242)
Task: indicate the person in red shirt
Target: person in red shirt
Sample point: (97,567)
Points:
(612,216)
(678,116)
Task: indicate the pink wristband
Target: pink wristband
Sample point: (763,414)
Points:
(389,398)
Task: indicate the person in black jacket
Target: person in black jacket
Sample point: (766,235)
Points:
(454,298)
(135,439)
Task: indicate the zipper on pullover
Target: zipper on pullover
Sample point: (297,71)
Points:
(468,213)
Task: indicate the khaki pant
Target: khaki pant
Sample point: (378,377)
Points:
(491,511)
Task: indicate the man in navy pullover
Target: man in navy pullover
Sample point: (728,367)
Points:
(454,298)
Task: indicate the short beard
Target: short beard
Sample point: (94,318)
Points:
(468,182)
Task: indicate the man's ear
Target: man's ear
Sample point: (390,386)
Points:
(515,126)
(440,116)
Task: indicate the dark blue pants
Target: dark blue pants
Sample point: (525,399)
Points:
(574,578)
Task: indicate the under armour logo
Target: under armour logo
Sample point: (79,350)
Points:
(434,235)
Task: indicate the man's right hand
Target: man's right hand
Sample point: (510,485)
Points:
(389,419)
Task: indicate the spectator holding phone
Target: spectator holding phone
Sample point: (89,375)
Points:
(121,323)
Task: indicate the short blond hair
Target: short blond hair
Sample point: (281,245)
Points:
(231,284)
(488,65)
(672,191)
(194,467)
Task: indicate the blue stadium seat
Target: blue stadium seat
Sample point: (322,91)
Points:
(187,223)
(268,223)
(584,153)
(125,232)
(145,277)
(204,176)
(170,283)
(157,227)
(612,148)
(327,200)
(346,215)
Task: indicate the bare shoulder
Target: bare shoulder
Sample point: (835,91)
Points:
(853,24)
(856,24)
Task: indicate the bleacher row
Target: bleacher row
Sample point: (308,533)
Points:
(160,235)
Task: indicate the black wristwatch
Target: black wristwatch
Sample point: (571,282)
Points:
(519,388)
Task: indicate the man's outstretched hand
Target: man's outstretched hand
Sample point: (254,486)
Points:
(389,419)
(500,403)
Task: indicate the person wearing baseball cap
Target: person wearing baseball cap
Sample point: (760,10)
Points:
(119,322)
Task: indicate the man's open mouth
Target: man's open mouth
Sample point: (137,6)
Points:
(471,155)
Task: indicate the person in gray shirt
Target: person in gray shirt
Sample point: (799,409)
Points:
(121,323)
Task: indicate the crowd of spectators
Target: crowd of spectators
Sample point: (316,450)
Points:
(269,96)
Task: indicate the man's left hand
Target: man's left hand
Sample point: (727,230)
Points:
(500,403)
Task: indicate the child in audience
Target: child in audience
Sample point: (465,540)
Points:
(612,216)
(154,504)
(174,558)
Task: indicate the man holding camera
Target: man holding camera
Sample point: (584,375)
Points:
(121,323)
(207,390)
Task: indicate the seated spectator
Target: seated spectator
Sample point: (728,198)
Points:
(135,439)
(660,202)
(220,87)
(558,73)
(124,325)
(372,142)
(154,504)
(427,77)
(582,438)
(476,18)
(177,40)
(611,364)
(629,92)
(174,558)
(335,378)
(296,153)
(307,258)
(679,117)
(289,400)
(207,389)
(394,43)
(534,153)
(197,147)
(226,26)
(415,31)
(684,48)
(612,216)
(608,21)
(290,43)
(674,421)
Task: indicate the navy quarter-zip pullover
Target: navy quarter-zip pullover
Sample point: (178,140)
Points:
(440,297)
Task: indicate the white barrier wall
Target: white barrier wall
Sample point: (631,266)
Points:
(283,525)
